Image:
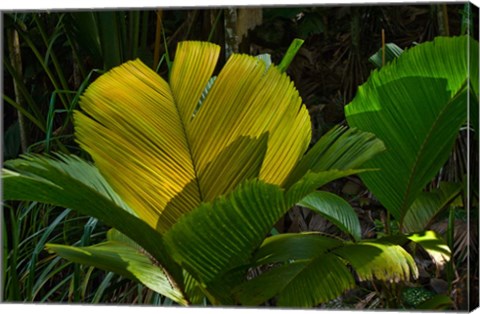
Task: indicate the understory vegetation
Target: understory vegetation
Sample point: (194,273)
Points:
(300,157)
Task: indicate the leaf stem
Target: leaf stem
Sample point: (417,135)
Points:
(290,54)
(16,61)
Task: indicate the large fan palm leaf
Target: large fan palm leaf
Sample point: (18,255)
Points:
(416,105)
(172,154)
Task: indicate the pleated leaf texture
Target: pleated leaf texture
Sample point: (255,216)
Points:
(416,105)
(165,152)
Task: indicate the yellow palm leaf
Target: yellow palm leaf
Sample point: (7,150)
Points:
(163,159)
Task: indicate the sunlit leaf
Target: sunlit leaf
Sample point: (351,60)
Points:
(170,148)
(125,260)
(435,246)
(379,260)
(428,240)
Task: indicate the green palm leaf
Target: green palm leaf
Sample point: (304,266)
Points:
(125,259)
(307,268)
(434,245)
(416,106)
(73,183)
(473,71)
(392,51)
(336,210)
(221,235)
(428,240)
(293,246)
(338,153)
(474,83)
(72,166)
(429,204)
(338,149)
(379,260)
(303,283)
(306,273)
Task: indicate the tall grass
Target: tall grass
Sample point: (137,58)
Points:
(33,275)
(51,59)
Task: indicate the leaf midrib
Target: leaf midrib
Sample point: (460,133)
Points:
(308,262)
(403,208)
(189,147)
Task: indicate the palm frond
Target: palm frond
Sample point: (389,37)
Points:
(62,182)
(221,235)
(171,156)
(306,269)
(428,204)
(302,283)
(428,240)
(122,258)
(379,260)
(416,106)
(339,149)
(435,246)
(336,210)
